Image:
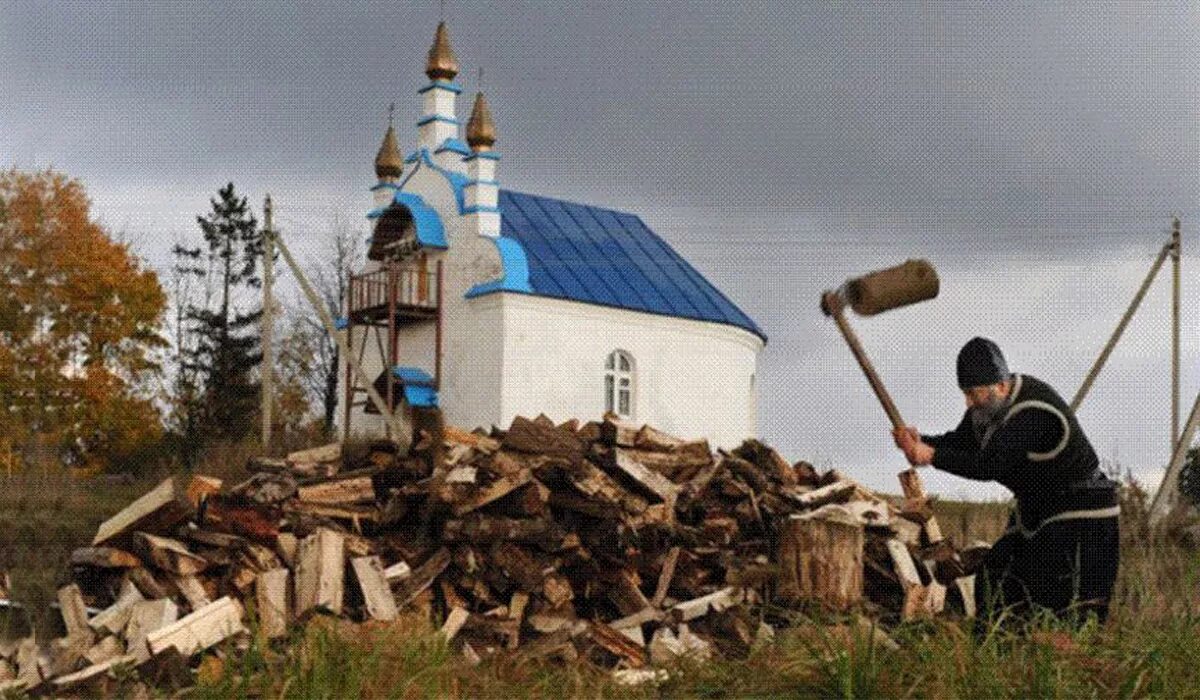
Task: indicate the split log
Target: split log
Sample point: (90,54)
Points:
(359,489)
(108,648)
(533,438)
(651,482)
(618,644)
(200,630)
(767,460)
(664,577)
(457,436)
(317,455)
(67,654)
(713,602)
(319,576)
(29,672)
(496,490)
(614,431)
(831,493)
(160,510)
(648,438)
(422,577)
(201,487)
(381,604)
(915,592)
(104,558)
(74,610)
(147,617)
(114,618)
(821,559)
(169,555)
(454,622)
(102,669)
(623,590)
(910,482)
(193,591)
(271,596)
(242,516)
(397,572)
(148,584)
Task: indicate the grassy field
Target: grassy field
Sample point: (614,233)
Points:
(1149,648)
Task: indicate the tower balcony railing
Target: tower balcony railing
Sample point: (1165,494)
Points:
(404,292)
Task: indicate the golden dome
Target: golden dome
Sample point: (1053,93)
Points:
(442,65)
(481,130)
(388,162)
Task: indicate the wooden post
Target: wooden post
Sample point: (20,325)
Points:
(1176,254)
(393,339)
(268,326)
(437,349)
(349,379)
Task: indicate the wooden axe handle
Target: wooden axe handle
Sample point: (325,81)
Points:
(835,307)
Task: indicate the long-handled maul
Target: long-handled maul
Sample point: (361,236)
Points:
(902,285)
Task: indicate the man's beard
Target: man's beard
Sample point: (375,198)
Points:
(985,416)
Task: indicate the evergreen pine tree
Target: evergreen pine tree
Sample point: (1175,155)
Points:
(1189,477)
(217,365)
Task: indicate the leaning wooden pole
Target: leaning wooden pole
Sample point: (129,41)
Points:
(1165,497)
(400,426)
(1112,341)
(1176,254)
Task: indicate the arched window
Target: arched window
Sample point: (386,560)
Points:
(618,384)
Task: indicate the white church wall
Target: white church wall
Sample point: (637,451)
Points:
(693,378)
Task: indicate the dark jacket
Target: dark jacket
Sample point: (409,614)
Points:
(1036,449)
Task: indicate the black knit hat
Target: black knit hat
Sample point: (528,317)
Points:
(980,363)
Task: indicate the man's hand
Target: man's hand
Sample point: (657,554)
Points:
(905,436)
(908,439)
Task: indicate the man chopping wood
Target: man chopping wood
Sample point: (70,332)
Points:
(1060,550)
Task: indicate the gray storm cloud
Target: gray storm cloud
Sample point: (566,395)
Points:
(1034,152)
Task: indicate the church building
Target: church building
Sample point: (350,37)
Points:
(491,303)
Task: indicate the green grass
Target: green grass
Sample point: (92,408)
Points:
(1148,649)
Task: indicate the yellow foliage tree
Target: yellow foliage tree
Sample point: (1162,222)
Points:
(79,324)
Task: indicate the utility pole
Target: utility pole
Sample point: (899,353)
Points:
(268,325)
(1176,254)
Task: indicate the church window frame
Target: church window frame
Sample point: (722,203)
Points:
(620,385)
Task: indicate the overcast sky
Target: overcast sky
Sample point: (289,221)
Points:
(1033,152)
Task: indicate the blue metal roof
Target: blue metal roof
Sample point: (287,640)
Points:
(417,385)
(600,256)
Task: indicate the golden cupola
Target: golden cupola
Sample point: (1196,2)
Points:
(442,65)
(481,130)
(388,162)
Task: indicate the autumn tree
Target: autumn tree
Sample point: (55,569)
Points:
(79,326)
(218,342)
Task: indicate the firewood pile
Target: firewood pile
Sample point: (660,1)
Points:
(604,542)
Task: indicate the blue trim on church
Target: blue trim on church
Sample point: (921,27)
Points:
(437,118)
(516,270)
(486,155)
(454,145)
(430,232)
(445,85)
